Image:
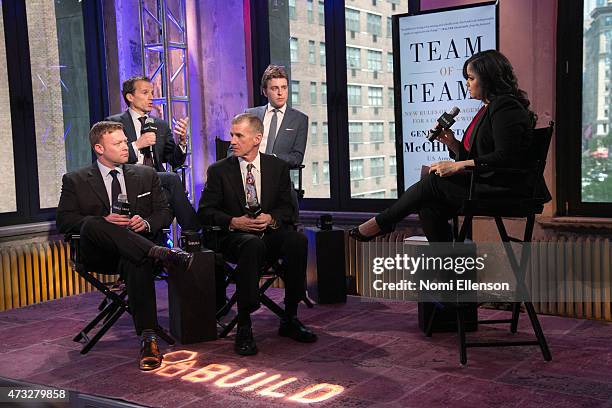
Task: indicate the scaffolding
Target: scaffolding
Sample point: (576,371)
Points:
(163,31)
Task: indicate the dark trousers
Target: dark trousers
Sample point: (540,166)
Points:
(250,253)
(108,248)
(175,194)
(436,200)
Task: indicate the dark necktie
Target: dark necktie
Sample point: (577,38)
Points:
(115,188)
(148,157)
(251,189)
(272,132)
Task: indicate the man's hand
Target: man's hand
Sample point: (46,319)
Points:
(137,224)
(145,140)
(181,130)
(121,220)
(248,224)
(265,218)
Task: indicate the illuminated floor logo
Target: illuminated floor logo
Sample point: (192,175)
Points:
(182,363)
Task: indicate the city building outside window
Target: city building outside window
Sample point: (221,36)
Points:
(375,97)
(295,92)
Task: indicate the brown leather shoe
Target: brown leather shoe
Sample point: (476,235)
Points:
(150,356)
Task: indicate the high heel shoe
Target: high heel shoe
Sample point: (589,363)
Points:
(358,236)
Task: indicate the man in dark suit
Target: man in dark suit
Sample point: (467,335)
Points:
(157,146)
(285,129)
(111,242)
(236,187)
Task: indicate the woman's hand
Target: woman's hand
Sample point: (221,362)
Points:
(447,137)
(448,168)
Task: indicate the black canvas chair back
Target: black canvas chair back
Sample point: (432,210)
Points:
(523,206)
(221,152)
(112,307)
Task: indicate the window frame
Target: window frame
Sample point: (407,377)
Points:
(22,102)
(568,130)
(336,103)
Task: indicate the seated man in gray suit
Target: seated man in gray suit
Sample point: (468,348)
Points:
(285,128)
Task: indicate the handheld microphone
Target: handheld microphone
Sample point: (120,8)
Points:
(444,122)
(122,207)
(149,126)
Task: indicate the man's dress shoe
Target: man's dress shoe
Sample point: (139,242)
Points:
(293,328)
(150,356)
(245,343)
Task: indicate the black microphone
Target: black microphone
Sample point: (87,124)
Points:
(444,122)
(122,206)
(149,126)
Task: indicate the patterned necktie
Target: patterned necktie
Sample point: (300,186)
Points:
(251,190)
(272,132)
(148,157)
(115,188)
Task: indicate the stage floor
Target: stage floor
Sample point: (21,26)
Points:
(373,350)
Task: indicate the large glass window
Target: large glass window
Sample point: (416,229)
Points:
(368,50)
(307,80)
(8,199)
(371,76)
(59,74)
(596,173)
(47,135)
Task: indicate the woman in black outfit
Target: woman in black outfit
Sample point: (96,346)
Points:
(498,136)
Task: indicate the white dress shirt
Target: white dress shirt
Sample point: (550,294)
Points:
(266,122)
(108,180)
(138,127)
(256,170)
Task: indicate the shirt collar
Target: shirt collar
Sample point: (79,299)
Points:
(281,109)
(135,115)
(256,161)
(106,170)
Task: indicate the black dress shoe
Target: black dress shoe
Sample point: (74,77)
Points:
(245,343)
(293,328)
(178,258)
(358,236)
(150,356)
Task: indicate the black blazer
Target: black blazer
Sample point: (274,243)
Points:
(166,150)
(84,195)
(501,138)
(223,196)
